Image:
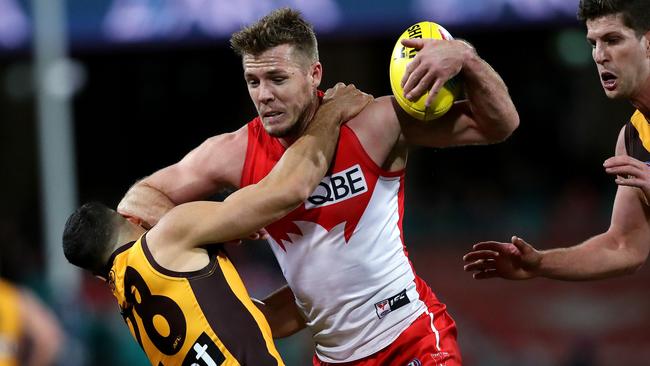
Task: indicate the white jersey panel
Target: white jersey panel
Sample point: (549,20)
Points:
(358,295)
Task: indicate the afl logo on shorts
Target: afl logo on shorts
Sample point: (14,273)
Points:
(338,187)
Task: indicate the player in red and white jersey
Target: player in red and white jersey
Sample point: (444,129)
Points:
(342,252)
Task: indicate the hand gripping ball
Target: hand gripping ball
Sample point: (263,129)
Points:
(402,56)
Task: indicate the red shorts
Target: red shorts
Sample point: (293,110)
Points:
(418,345)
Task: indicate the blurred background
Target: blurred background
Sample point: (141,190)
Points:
(97,94)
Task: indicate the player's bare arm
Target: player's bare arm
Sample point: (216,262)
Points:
(621,250)
(279,309)
(290,182)
(488,114)
(197,176)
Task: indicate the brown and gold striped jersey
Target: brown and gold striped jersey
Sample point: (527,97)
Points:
(203,318)
(637,137)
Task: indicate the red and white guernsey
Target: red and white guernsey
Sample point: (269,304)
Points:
(342,252)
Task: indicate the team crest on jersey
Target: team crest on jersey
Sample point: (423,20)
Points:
(386,306)
(338,187)
(415,362)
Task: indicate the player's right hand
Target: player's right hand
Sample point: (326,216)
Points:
(346,100)
(630,172)
(436,62)
(516,260)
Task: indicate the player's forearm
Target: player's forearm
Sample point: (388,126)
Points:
(281,312)
(488,97)
(145,203)
(602,256)
(306,161)
(289,183)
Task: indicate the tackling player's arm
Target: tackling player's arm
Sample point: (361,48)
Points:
(197,176)
(280,310)
(289,183)
(488,115)
(621,250)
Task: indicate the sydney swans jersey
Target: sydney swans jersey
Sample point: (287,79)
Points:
(637,137)
(342,251)
(10,327)
(203,318)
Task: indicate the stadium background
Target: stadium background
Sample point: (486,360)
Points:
(151,79)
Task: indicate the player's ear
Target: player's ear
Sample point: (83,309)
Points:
(316,72)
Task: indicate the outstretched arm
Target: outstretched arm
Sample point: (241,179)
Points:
(487,116)
(621,250)
(290,182)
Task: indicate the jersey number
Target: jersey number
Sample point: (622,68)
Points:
(203,352)
(147,306)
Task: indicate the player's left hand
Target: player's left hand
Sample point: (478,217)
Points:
(346,99)
(436,62)
(629,172)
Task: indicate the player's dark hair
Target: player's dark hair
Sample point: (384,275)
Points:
(88,235)
(636,13)
(281,26)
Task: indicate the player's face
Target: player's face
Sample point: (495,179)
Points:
(622,58)
(282,85)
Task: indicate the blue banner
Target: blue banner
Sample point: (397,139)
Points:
(117,22)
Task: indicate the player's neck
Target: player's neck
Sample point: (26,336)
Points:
(642,100)
(130,232)
(301,125)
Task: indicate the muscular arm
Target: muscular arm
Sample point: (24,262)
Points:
(487,116)
(621,250)
(214,165)
(281,312)
(289,183)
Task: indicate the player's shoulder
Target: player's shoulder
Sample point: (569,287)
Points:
(377,115)
(227,137)
(225,143)
(170,233)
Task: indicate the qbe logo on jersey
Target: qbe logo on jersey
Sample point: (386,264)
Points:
(338,187)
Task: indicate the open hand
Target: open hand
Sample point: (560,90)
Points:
(516,260)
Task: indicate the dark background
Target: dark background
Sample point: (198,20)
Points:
(144,106)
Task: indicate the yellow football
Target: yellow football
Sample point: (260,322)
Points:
(402,56)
